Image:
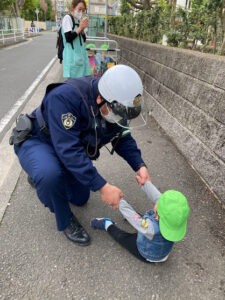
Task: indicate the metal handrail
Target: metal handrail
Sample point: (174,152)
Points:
(97,37)
(16,34)
(11,34)
(98,41)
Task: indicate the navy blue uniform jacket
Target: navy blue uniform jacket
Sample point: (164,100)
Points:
(78,131)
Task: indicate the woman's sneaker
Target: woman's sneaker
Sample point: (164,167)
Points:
(101,223)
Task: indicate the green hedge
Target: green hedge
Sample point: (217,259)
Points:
(196,29)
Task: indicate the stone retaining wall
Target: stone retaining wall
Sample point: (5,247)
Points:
(185,92)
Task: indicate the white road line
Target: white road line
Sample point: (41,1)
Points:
(7,118)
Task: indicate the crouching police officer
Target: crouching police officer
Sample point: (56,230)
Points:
(63,136)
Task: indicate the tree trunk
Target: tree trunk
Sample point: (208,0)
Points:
(215,40)
(16,9)
(173,3)
(223,47)
(223,27)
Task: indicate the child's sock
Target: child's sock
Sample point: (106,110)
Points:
(108,222)
(101,223)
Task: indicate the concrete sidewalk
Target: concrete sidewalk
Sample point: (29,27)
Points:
(37,262)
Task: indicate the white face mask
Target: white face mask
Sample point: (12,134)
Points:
(78,15)
(111,117)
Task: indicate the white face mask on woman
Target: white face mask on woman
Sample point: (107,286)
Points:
(78,15)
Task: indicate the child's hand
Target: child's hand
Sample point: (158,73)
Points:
(142,175)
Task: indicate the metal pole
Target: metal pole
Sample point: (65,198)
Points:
(3,40)
(106,18)
(89,7)
(89,16)
(37,12)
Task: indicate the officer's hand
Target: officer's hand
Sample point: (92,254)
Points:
(111,195)
(142,175)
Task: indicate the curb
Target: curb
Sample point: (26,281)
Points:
(10,167)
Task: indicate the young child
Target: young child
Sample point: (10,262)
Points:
(91,57)
(157,230)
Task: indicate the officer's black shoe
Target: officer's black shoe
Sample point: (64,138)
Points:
(76,233)
(30,181)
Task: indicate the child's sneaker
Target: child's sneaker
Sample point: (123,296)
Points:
(101,223)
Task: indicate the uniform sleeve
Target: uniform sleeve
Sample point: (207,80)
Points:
(151,191)
(128,150)
(65,125)
(67,24)
(70,36)
(142,225)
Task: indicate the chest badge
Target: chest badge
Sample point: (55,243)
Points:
(68,120)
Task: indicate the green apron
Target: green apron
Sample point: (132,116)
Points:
(75,60)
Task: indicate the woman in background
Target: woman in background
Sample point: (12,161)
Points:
(75,58)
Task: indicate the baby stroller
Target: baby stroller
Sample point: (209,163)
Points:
(102,55)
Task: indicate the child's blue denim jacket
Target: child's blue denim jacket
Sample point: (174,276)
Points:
(157,248)
(150,242)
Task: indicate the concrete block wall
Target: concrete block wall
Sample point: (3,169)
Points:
(185,93)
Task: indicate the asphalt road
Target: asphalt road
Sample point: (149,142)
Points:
(37,262)
(20,66)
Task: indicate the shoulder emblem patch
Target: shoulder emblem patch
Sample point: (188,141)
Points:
(68,120)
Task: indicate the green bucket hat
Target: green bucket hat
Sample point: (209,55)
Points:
(173,211)
(90,46)
(104,47)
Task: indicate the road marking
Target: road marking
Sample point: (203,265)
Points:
(7,118)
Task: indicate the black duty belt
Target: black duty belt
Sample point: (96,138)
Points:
(41,122)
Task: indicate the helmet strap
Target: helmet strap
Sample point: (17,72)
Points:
(102,103)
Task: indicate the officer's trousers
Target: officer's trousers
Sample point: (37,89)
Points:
(55,186)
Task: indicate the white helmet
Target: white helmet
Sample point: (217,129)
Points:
(122,84)
(121,87)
